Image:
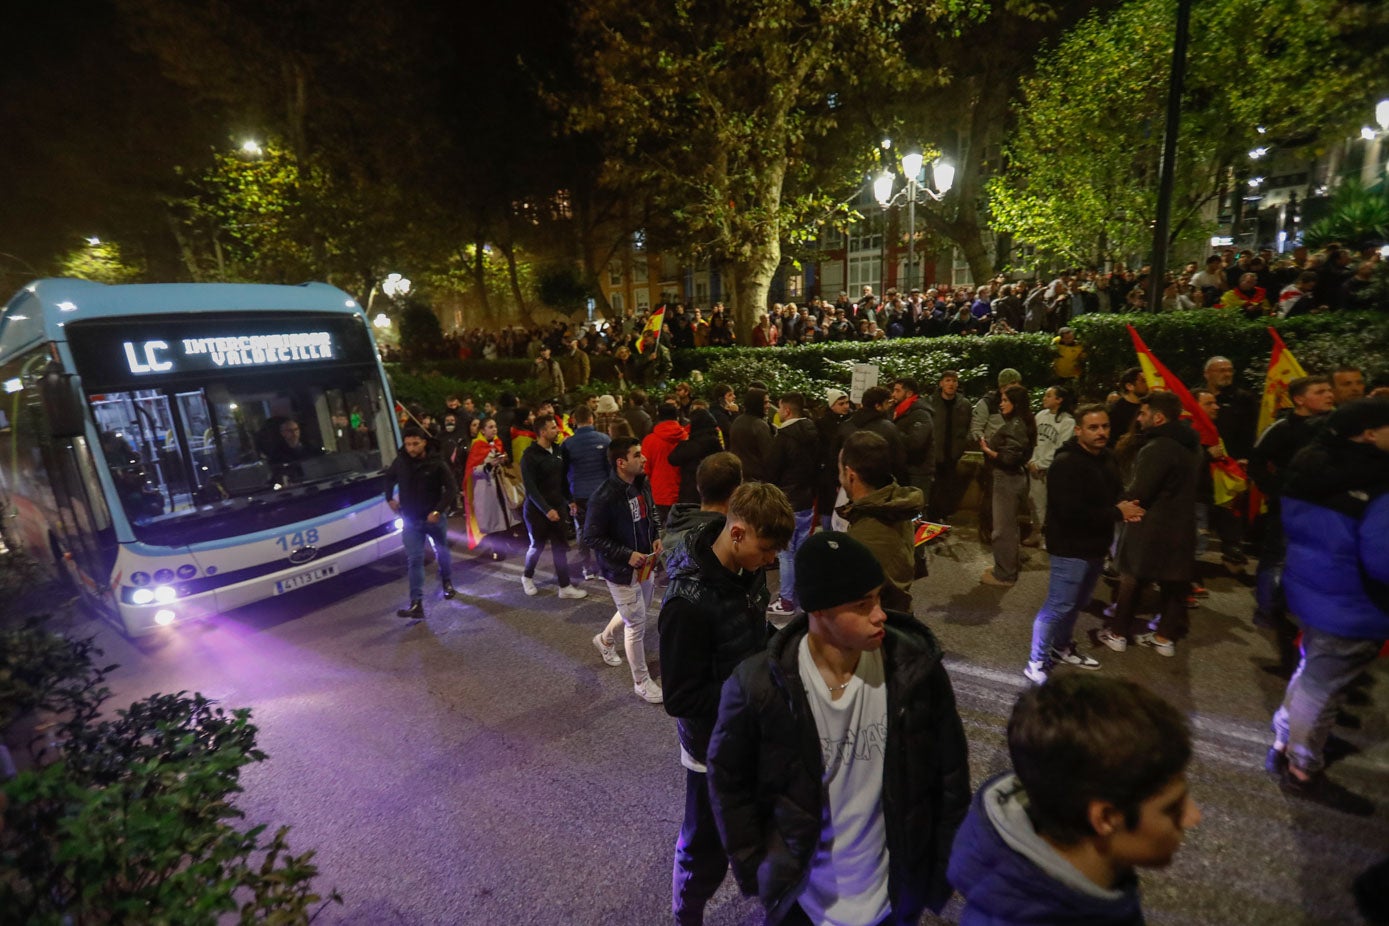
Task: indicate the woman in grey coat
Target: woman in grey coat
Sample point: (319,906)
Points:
(1009,450)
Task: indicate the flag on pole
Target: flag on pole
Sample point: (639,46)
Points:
(653,324)
(1227,475)
(1283,368)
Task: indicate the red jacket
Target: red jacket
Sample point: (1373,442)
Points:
(656,447)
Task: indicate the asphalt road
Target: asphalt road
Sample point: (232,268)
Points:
(485,767)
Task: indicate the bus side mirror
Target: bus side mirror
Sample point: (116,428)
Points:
(61,406)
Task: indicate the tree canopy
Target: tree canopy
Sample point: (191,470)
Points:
(1081,171)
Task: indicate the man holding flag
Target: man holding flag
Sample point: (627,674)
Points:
(1236,429)
(652,363)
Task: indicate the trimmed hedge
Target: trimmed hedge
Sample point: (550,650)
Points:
(1182,340)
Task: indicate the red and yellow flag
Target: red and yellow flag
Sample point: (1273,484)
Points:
(1283,368)
(654,323)
(1227,475)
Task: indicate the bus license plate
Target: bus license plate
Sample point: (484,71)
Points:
(304,578)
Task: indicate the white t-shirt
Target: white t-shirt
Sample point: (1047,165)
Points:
(848,875)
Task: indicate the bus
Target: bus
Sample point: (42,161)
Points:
(180,450)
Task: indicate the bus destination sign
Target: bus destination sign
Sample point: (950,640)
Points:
(157,356)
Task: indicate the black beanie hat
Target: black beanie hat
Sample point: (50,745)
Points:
(1358,416)
(832,569)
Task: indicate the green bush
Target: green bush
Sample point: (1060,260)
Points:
(1181,340)
(127,817)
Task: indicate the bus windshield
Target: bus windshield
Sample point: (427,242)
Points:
(198,455)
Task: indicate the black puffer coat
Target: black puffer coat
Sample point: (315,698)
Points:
(711,620)
(765,772)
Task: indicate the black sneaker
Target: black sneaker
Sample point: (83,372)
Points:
(449,590)
(1322,790)
(413,613)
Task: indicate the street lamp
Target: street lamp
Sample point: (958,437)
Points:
(942,173)
(395,285)
(252,148)
(1382,114)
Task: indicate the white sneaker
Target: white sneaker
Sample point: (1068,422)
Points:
(1112,640)
(1074,657)
(1163,647)
(528,586)
(779,609)
(650,692)
(607,650)
(1036,673)
(569,591)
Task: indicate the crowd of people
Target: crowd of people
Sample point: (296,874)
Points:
(1253,283)
(703,493)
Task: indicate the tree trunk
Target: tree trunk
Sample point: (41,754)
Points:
(514,277)
(752,280)
(480,277)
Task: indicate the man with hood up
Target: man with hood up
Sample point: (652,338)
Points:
(1098,789)
(881,513)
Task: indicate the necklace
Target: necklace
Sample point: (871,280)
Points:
(839,687)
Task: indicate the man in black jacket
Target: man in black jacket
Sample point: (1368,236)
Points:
(950,416)
(427,491)
(875,414)
(794,467)
(912,416)
(623,528)
(1084,502)
(547,495)
(713,619)
(1238,418)
(838,766)
(1162,547)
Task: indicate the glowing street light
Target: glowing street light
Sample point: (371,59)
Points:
(395,285)
(93,240)
(251,147)
(943,175)
(381,322)
(1382,114)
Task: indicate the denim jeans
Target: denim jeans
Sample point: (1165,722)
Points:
(542,531)
(1069,589)
(1329,664)
(700,862)
(633,604)
(786,559)
(413,536)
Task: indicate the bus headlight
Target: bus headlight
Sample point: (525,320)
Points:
(142,596)
(165,594)
(163,617)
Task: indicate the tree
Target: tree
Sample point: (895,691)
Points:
(728,113)
(101,262)
(1081,174)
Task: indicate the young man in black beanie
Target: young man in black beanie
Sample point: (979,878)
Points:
(892,764)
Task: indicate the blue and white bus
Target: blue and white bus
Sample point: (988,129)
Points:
(184,449)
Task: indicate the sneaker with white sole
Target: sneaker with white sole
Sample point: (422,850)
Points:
(649,691)
(528,586)
(607,650)
(1074,657)
(1163,647)
(1112,640)
(779,608)
(569,591)
(1036,673)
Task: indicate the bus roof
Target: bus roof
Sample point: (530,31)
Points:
(38,312)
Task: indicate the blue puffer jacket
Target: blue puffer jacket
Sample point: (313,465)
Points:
(1010,876)
(1337,572)
(586,465)
(1336,517)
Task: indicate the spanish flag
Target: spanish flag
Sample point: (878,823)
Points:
(654,323)
(1283,368)
(1228,476)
